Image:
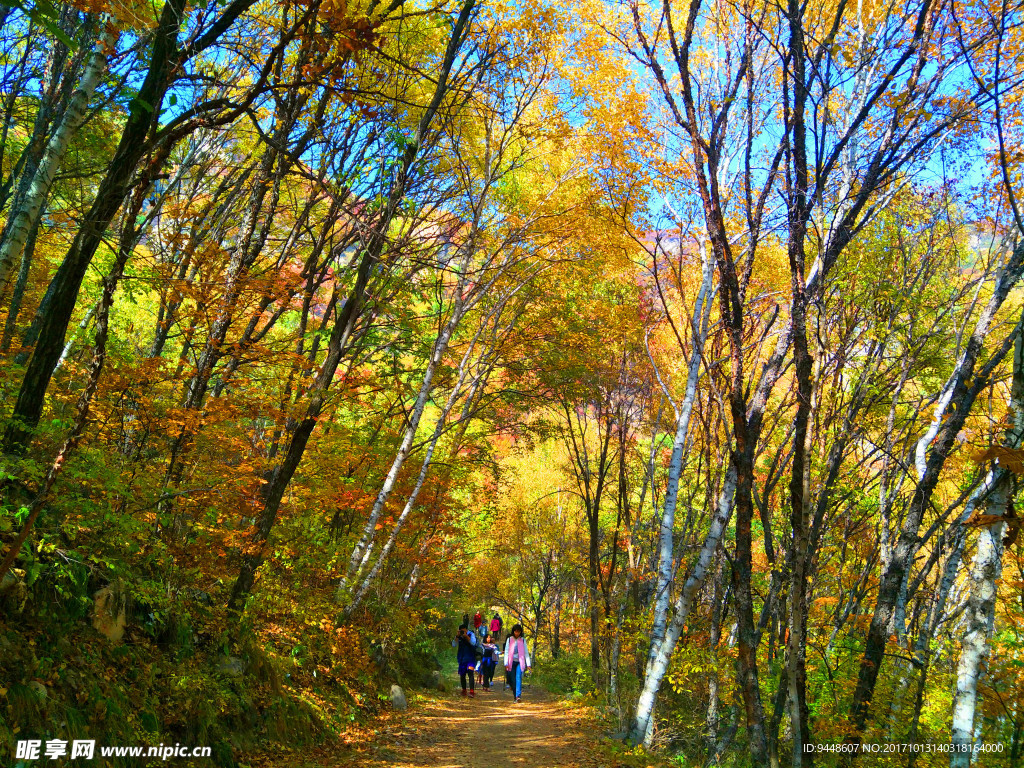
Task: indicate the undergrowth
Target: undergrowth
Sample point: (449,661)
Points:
(178,676)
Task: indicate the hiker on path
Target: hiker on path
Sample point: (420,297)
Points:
(477,621)
(516,659)
(478,667)
(465,641)
(490,661)
(496,627)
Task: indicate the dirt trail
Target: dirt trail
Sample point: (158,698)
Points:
(490,730)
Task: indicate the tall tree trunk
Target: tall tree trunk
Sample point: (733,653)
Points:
(629,588)
(666,549)
(718,609)
(799,486)
(660,633)
(642,728)
(593,563)
(363,548)
(747,635)
(556,628)
(985,572)
(52,99)
(106,301)
(413,578)
(18,294)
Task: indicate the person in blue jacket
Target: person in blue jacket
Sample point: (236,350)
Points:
(465,642)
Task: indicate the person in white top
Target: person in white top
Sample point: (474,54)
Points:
(517,658)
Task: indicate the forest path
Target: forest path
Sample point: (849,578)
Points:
(490,730)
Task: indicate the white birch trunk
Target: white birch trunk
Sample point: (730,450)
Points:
(463,303)
(74,337)
(952,566)
(424,468)
(613,670)
(666,547)
(361,552)
(413,578)
(985,572)
(657,668)
(934,615)
(981,605)
(976,340)
(27,216)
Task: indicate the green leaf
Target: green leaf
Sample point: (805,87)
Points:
(142,103)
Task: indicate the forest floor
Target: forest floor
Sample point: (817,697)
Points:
(447,731)
(444,730)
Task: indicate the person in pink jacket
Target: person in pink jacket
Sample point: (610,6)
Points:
(517,658)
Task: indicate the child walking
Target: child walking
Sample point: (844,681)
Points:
(490,661)
(465,642)
(516,659)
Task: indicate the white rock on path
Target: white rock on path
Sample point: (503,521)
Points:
(398,698)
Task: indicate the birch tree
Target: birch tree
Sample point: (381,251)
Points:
(663,636)
(26,218)
(986,566)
